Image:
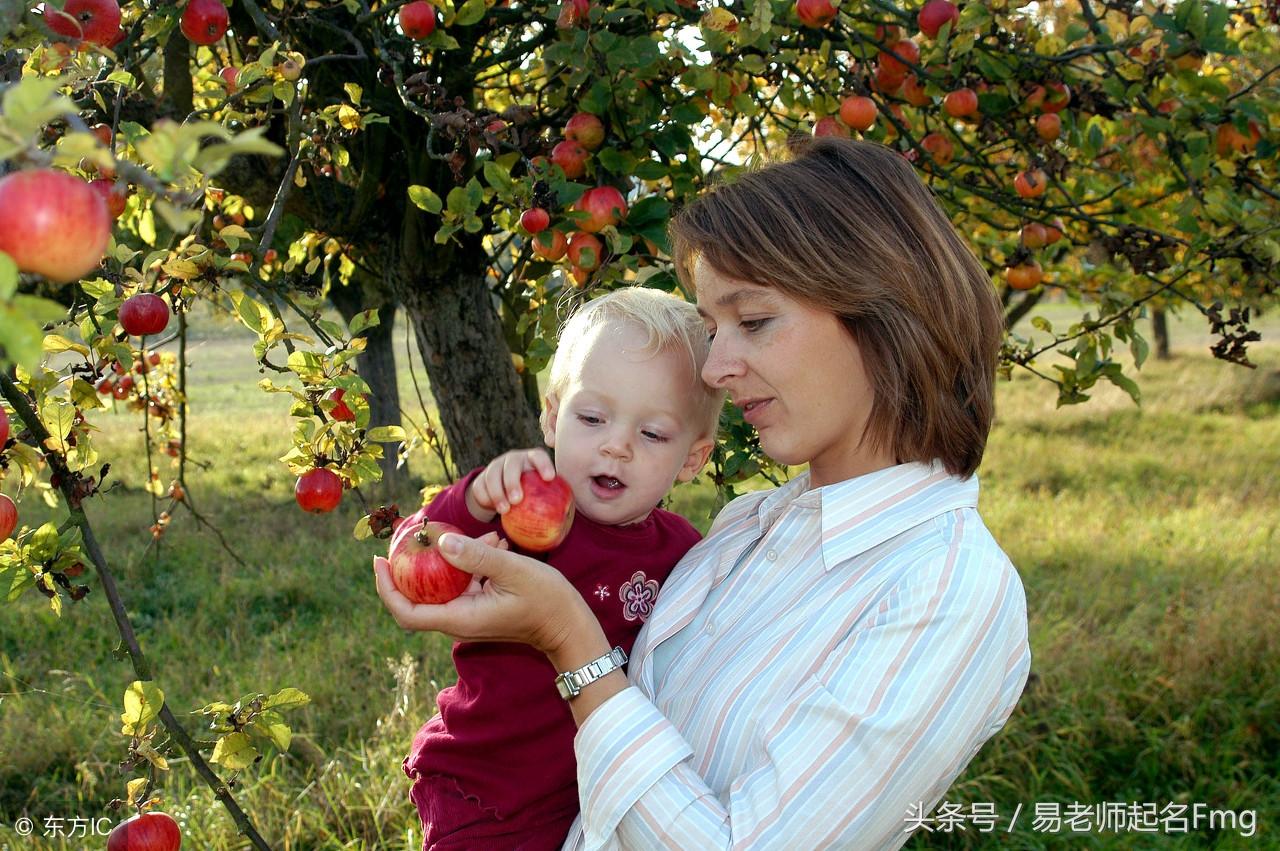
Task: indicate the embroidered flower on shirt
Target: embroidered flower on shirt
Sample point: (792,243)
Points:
(638,595)
(602,591)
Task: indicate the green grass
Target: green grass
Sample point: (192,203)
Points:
(1146,538)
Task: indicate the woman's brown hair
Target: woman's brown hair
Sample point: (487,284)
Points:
(847,226)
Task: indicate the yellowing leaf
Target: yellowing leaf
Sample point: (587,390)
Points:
(348,117)
(142,702)
(234,751)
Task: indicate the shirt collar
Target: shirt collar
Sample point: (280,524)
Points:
(865,511)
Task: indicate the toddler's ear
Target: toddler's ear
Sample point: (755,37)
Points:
(699,452)
(551,411)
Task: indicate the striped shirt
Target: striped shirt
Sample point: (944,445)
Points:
(870,637)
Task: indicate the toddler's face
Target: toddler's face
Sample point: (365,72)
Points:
(624,428)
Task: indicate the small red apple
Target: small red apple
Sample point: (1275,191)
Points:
(94,21)
(829,125)
(858,112)
(899,58)
(103,132)
(115,196)
(230,78)
(939,147)
(1024,276)
(418,570)
(1031,184)
(604,205)
(418,19)
(1056,98)
(585,251)
(541,519)
(1035,235)
(204,21)
(8,517)
(143,314)
(318,491)
(53,224)
(1049,126)
(961,102)
(573,13)
(571,157)
(535,220)
(934,14)
(146,832)
(550,245)
(815,13)
(341,411)
(913,91)
(585,129)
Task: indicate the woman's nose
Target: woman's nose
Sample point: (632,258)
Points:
(722,363)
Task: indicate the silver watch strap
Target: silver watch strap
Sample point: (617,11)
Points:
(571,683)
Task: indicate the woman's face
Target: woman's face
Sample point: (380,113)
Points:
(794,371)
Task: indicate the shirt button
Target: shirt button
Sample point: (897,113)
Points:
(711,628)
(772,555)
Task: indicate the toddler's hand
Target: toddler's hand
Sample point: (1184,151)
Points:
(497,488)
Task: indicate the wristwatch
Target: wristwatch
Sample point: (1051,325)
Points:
(571,683)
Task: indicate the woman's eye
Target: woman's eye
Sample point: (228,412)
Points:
(752,324)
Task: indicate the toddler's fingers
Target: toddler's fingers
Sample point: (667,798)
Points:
(541,461)
(512,470)
(495,488)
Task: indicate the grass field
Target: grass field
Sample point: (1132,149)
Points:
(1146,539)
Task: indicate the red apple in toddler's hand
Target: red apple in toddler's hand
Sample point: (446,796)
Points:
(146,832)
(53,224)
(540,521)
(418,570)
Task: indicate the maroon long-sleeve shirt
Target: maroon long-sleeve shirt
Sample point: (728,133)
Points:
(503,735)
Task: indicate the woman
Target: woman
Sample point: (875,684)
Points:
(835,651)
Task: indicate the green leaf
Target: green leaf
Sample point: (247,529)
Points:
(307,366)
(471,12)
(497,177)
(362,531)
(354,92)
(363,320)
(142,702)
(385,434)
(424,199)
(8,276)
(234,751)
(270,725)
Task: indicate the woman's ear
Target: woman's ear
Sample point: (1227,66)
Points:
(550,413)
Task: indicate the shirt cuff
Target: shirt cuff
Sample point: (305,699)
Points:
(623,748)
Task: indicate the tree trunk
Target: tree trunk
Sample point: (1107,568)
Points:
(1160,331)
(377,366)
(476,389)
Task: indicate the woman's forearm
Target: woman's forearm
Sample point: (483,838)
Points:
(583,643)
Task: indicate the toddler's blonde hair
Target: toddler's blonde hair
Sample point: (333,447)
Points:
(670,323)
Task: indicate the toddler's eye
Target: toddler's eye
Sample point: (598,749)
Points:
(654,436)
(589,419)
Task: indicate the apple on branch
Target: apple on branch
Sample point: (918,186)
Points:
(53,223)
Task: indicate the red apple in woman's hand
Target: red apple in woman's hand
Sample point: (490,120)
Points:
(540,521)
(418,570)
